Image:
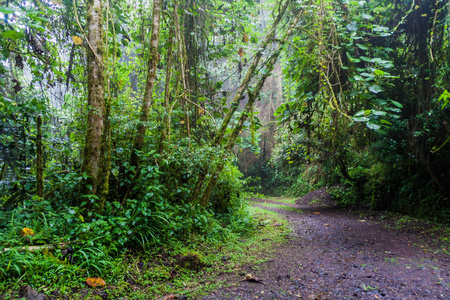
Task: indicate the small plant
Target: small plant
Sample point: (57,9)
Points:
(391,260)
(369,288)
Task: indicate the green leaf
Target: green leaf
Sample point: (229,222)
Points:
(367,76)
(397,110)
(352,26)
(375,89)
(362,46)
(379,112)
(383,121)
(279,110)
(352,59)
(445,98)
(36,26)
(254,40)
(359,113)
(218,85)
(251,2)
(42,19)
(398,104)
(379,101)
(373,126)
(12,34)
(366,16)
(264,71)
(380,28)
(379,72)
(7,10)
(360,119)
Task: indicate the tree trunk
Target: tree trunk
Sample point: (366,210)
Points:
(166,123)
(39,160)
(151,78)
(96,95)
(183,62)
(105,161)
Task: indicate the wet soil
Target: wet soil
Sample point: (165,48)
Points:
(335,253)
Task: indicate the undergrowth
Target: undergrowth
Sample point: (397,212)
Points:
(132,264)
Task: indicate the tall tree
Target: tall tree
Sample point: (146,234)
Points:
(39,159)
(96,97)
(147,100)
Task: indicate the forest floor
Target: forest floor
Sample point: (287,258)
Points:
(351,253)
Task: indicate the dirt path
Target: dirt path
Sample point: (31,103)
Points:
(337,254)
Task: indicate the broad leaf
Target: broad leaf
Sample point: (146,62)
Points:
(373,126)
(7,10)
(12,34)
(375,89)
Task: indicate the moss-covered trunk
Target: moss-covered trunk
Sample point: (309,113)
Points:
(147,100)
(166,122)
(39,160)
(96,95)
(105,160)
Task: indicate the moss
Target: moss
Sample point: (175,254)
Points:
(191,260)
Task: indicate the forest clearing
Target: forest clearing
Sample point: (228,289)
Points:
(224,149)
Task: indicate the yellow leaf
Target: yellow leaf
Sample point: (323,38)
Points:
(27,232)
(77,40)
(245,38)
(81,218)
(241,52)
(95,282)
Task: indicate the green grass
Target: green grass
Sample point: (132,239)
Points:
(286,200)
(126,277)
(289,208)
(238,251)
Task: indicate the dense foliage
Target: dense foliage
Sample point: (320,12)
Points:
(120,120)
(367,106)
(116,128)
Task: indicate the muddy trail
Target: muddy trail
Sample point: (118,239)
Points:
(335,253)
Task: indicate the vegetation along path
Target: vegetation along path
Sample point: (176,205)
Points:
(337,253)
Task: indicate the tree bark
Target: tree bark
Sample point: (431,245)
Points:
(39,160)
(183,62)
(96,95)
(151,78)
(166,123)
(105,161)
